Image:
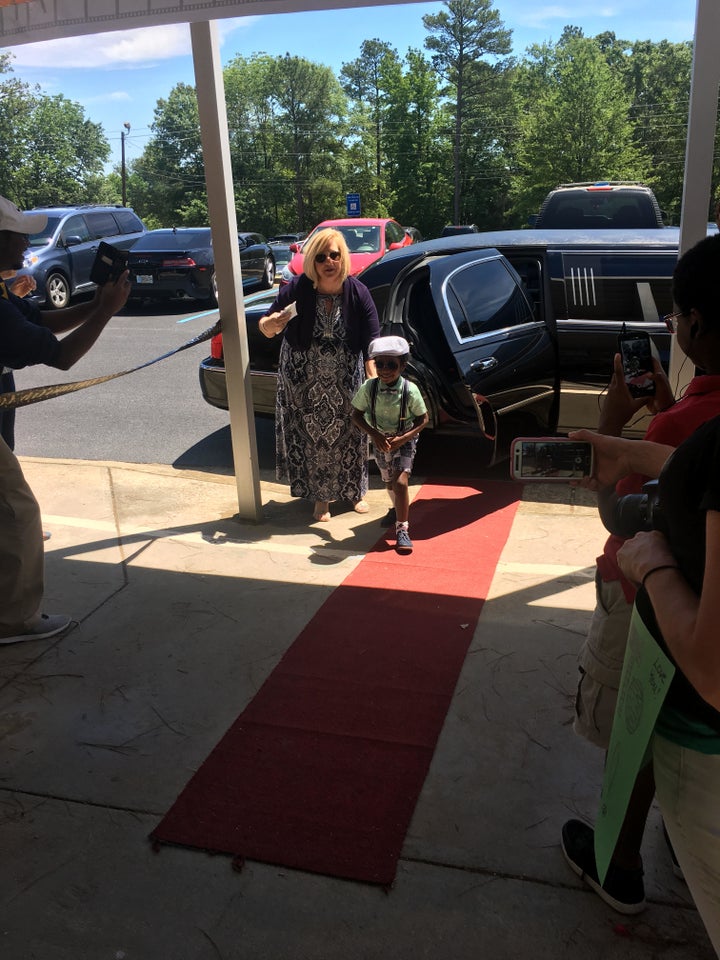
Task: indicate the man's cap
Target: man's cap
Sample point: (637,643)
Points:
(389,347)
(13,219)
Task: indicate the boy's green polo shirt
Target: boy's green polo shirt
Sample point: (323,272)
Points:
(387,405)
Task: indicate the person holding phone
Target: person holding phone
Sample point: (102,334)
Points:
(29,336)
(327,319)
(697,323)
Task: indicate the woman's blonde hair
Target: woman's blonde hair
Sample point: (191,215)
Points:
(320,243)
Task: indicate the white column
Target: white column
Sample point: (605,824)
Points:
(221,208)
(699,151)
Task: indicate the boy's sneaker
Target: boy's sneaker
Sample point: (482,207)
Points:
(403,543)
(623,890)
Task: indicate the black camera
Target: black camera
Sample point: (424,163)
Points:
(638,511)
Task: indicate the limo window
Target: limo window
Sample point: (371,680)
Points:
(482,297)
(622,287)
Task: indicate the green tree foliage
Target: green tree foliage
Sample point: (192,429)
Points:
(460,37)
(458,132)
(416,149)
(576,125)
(168,180)
(369,83)
(50,153)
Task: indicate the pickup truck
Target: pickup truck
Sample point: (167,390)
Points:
(602,205)
(497,320)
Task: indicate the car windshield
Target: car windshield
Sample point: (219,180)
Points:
(173,240)
(43,237)
(360,239)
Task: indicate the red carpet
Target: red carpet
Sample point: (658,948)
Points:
(323,769)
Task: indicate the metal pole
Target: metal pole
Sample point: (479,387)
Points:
(122,166)
(123,134)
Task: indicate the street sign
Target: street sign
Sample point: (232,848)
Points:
(353,204)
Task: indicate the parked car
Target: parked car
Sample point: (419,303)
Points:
(180,262)
(281,248)
(600,205)
(455,229)
(367,238)
(497,320)
(264,359)
(60,256)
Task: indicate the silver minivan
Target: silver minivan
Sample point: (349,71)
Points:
(61,256)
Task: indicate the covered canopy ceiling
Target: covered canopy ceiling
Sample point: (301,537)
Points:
(27,21)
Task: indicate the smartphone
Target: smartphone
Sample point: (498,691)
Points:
(109,263)
(550,458)
(636,354)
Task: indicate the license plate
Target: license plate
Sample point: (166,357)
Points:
(143,278)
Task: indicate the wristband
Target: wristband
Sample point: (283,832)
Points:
(662,566)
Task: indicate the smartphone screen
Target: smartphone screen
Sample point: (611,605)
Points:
(550,458)
(636,355)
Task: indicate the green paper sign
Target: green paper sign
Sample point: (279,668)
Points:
(645,680)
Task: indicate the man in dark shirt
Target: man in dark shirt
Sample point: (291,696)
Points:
(28,336)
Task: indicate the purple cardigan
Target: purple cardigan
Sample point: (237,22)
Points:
(358,311)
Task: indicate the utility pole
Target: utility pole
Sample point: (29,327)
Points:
(123,134)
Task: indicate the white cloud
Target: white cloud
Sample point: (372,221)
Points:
(130,48)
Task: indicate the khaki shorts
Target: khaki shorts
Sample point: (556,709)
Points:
(600,663)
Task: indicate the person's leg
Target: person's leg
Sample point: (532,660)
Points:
(600,664)
(400,487)
(688,791)
(21,548)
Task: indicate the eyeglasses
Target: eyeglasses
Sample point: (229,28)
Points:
(671,321)
(322,257)
(387,365)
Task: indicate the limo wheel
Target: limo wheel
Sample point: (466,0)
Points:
(213,287)
(268,278)
(58,291)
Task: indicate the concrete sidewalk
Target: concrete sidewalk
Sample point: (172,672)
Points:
(182,613)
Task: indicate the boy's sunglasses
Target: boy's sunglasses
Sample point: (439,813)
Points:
(322,257)
(387,365)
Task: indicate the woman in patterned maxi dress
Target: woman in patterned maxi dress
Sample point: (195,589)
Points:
(327,320)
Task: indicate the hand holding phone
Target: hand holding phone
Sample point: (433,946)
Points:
(110,263)
(555,459)
(637,363)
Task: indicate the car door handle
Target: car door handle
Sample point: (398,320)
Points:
(481,365)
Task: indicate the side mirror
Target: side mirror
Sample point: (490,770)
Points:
(395,246)
(294,247)
(72,241)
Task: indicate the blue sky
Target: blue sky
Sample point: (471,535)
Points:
(118,77)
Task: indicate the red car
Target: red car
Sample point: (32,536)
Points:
(368,238)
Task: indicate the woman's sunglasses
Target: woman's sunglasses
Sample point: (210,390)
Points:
(322,257)
(387,365)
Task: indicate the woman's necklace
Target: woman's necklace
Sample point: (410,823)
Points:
(330,307)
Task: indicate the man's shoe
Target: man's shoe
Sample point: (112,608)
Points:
(623,890)
(403,543)
(43,628)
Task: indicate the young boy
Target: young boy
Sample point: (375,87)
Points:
(392,411)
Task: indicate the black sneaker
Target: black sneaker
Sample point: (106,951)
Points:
(676,868)
(403,543)
(390,518)
(623,890)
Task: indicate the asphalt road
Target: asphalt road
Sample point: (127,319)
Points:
(157,415)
